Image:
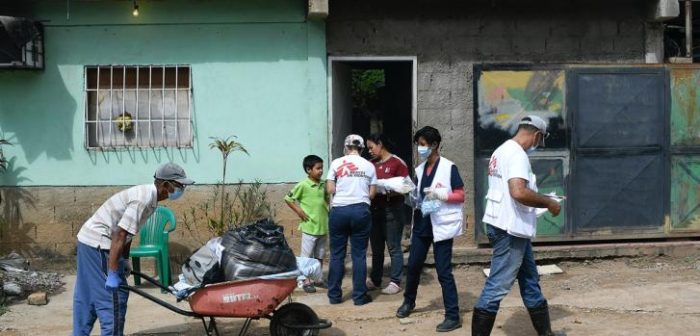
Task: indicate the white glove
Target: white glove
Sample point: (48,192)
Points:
(436,194)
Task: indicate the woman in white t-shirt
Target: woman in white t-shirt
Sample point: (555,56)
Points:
(351,181)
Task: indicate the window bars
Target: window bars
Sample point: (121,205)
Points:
(138,106)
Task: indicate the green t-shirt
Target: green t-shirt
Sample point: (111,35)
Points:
(311,197)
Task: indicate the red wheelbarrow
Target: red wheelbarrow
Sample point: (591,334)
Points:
(250,299)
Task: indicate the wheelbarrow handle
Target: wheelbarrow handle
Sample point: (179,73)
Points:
(153,281)
(161,302)
(169,289)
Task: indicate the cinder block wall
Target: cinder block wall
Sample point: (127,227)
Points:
(449,37)
(42,222)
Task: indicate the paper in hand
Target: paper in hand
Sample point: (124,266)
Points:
(541,211)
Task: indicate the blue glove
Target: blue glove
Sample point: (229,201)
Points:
(113,281)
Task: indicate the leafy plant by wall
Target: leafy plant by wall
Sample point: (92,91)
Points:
(243,204)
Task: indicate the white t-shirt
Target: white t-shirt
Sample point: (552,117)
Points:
(352,175)
(510,161)
(128,209)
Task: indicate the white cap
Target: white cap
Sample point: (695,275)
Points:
(536,121)
(354,140)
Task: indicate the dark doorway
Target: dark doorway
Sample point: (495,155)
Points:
(372,96)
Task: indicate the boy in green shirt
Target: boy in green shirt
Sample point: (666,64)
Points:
(309,201)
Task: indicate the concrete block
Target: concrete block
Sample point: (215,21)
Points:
(631,28)
(566,28)
(629,45)
(497,46)
(563,46)
(496,26)
(461,117)
(532,26)
(58,232)
(38,299)
(435,98)
(529,45)
(599,45)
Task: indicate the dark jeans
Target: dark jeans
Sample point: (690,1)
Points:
(512,258)
(387,229)
(442,251)
(352,222)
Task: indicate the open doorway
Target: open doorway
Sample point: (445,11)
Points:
(371,95)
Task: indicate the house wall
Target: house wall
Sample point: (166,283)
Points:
(449,38)
(259,72)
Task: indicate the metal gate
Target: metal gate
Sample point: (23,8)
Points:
(619,152)
(621,157)
(685,149)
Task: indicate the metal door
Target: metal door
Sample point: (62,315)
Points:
(619,151)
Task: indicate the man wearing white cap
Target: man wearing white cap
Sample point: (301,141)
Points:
(352,182)
(103,250)
(511,223)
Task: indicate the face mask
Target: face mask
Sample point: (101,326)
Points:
(531,150)
(424,152)
(175,194)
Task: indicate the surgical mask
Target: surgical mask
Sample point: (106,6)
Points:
(424,152)
(175,194)
(531,150)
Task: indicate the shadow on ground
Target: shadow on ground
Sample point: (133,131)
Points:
(519,322)
(226,327)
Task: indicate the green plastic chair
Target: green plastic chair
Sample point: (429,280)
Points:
(154,243)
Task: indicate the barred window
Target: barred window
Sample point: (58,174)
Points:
(138,106)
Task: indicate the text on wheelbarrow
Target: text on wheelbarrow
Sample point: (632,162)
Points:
(233,297)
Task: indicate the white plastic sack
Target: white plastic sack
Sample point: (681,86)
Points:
(216,248)
(310,269)
(401,185)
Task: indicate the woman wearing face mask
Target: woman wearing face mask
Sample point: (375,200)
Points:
(387,217)
(438,182)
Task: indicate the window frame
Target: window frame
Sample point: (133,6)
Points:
(151,140)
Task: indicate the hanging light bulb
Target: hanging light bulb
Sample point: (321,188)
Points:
(136,9)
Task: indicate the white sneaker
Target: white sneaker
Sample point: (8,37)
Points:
(371,286)
(391,289)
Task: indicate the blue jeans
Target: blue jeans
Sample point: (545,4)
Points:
(512,259)
(387,227)
(442,252)
(352,222)
(91,300)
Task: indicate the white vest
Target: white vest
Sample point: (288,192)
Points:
(448,222)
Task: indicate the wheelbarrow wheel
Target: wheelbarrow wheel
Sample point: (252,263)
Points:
(292,314)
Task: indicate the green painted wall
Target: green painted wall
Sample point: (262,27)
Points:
(259,72)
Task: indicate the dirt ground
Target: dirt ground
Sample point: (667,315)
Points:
(630,296)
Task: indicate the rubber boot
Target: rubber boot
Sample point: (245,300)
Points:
(540,320)
(482,322)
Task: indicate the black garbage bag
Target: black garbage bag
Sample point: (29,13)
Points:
(255,250)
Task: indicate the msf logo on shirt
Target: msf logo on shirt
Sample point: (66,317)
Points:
(493,167)
(346,169)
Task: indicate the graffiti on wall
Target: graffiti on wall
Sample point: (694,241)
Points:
(505,97)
